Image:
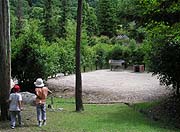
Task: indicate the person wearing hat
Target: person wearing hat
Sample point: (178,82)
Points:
(15,106)
(41,94)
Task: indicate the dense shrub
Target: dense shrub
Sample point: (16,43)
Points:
(165,61)
(116,53)
(32,57)
(137,56)
(27,59)
(66,56)
(87,58)
(101,55)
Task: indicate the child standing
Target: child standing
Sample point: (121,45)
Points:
(41,93)
(15,107)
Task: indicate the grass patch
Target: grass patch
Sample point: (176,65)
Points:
(167,111)
(95,118)
(144,106)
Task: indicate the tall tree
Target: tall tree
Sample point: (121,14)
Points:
(47,24)
(19,18)
(107,17)
(5,57)
(63,19)
(78,89)
(89,20)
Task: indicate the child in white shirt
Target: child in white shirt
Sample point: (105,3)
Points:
(15,107)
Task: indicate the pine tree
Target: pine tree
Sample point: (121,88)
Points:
(19,18)
(107,17)
(47,23)
(63,19)
(89,20)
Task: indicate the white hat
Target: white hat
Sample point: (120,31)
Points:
(39,82)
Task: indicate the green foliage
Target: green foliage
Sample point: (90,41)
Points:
(116,53)
(87,57)
(107,18)
(28,55)
(17,16)
(162,40)
(164,52)
(36,13)
(103,39)
(138,56)
(128,11)
(92,3)
(119,52)
(47,20)
(71,32)
(27,58)
(64,15)
(58,59)
(131,18)
(120,39)
(90,20)
(126,55)
(13,25)
(165,61)
(161,10)
(157,31)
(50,59)
(147,47)
(23,4)
(101,54)
(33,57)
(66,55)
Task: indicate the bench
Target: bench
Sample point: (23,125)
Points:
(116,64)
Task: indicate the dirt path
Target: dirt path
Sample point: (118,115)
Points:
(105,86)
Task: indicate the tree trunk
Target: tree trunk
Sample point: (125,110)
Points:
(78,89)
(5,57)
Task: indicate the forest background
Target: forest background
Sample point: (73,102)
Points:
(138,31)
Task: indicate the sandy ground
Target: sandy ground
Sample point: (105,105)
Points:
(105,86)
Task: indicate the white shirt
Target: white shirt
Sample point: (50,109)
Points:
(14,98)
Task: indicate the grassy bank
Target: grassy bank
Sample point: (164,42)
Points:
(95,118)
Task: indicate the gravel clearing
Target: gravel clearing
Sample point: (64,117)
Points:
(105,86)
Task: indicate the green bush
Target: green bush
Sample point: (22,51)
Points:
(137,56)
(87,58)
(101,55)
(27,59)
(116,53)
(165,61)
(66,56)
